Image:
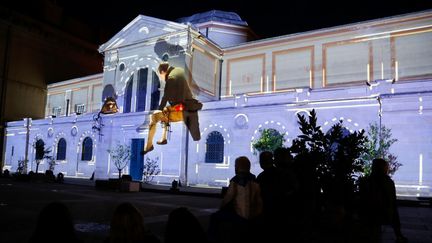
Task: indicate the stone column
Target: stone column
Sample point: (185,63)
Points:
(104,138)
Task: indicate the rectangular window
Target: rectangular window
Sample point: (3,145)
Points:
(142,89)
(79,109)
(9,161)
(56,111)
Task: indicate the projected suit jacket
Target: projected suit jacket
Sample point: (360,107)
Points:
(177,91)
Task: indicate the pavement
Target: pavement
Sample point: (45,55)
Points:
(415,212)
(160,188)
(20,203)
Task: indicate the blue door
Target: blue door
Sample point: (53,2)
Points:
(137,163)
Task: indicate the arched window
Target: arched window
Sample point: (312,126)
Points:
(40,149)
(108,91)
(214,148)
(61,149)
(87,149)
(128,96)
(155,93)
(142,89)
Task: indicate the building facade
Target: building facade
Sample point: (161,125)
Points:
(378,71)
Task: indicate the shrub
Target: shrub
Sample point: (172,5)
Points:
(120,156)
(378,145)
(270,140)
(151,169)
(332,159)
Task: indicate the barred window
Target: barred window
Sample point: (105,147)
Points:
(155,93)
(108,91)
(79,109)
(40,149)
(141,89)
(61,149)
(214,148)
(128,96)
(87,149)
(9,161)
(56,111)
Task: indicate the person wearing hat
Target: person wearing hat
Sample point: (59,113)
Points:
(182,106)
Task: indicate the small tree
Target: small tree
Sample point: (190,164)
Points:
(41,153)
(22,166)
(378,146)
(270,140)
(151,169)
(330,161)
(51,162)
(120,155)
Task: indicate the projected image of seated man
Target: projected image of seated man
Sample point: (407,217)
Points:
(182,106)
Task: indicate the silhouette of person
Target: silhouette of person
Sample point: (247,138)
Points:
(378,196)
(183,106)
(54,224)
(127,225)
(183,226)
(284,188)
(302,191)
(284,164)
(271,187)
(243,191)
(241,207)
(269,184)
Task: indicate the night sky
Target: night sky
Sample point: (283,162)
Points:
(267,18)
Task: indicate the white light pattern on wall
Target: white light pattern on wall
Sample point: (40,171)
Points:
(420,169)
(134,63)
(420,105)
(219,128)
(92,136)
(347,123)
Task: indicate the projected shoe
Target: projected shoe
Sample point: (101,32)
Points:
(146,151)
(164,141)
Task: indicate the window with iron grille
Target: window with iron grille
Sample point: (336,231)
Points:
(128,96)
(214,148)
(56,111)
(80,108)
(141,89)
(155,93)
(9,161)
(87,149)
(40,149)
(61,149)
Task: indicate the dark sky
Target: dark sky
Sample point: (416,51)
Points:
(267,18)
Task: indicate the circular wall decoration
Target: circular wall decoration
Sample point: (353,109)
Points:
(241,120)
(122,66)
(74,131)
(50,132)
(165,57)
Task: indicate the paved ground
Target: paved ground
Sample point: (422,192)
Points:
(20,203)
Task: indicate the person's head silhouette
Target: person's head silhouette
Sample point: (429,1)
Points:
(380,167)
(54,224)
(127,225)
(183,226)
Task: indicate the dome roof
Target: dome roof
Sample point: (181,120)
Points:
(214,15)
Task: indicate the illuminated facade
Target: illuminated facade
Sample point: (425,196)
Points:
(375,71)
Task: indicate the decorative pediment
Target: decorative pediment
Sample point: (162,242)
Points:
(141,28)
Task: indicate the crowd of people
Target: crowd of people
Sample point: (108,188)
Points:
(278,203)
